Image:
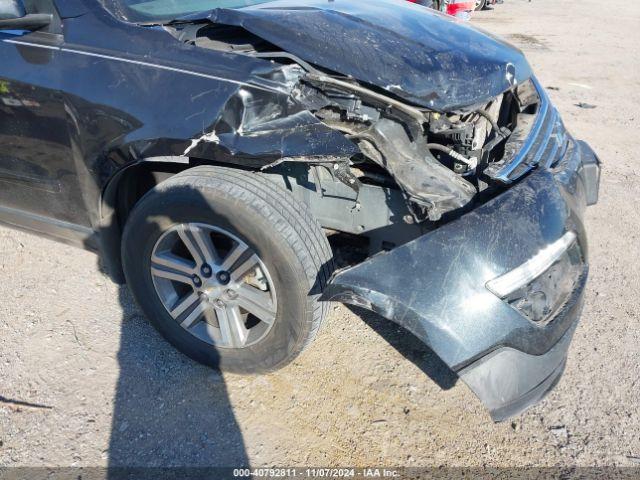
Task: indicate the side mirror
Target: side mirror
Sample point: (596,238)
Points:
(14,17)
(11,9)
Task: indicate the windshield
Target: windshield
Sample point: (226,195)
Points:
(159,11)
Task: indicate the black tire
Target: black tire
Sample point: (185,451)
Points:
(281,231)
(481,4)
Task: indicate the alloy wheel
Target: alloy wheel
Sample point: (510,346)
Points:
(214,285)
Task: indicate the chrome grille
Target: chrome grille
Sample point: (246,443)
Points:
(545,144)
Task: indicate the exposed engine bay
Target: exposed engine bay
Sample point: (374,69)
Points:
(214,158)
(440,161)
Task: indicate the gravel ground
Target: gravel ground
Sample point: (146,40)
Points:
(99,386)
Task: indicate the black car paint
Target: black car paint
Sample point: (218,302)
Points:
(81,106)
(120,94)
(433,283)
(97,90)
(99,83)
(435,287)
(418,54)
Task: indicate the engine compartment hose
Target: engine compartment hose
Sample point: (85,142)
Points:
(471,162)
(490,119)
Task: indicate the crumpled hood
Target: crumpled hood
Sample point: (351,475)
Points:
(418,54)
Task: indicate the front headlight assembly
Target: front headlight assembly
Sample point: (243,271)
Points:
(541,286)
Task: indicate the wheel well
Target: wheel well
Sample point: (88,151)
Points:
(137,180)
(119,198)
(333,207)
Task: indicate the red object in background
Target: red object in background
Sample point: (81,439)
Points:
(426,3)
(457,8)
(460,7)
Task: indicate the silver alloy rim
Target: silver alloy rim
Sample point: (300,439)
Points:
(214,285)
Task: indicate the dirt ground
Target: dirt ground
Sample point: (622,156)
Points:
(100,387)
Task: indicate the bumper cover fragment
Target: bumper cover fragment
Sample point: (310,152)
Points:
(435,287)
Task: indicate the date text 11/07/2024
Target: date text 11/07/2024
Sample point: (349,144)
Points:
(316,473)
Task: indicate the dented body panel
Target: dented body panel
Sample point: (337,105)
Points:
(103,81)
(435,286)
(389,120)
(418,54)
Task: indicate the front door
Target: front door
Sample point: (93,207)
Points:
(39,186)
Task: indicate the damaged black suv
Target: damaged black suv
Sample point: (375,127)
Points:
(206,147)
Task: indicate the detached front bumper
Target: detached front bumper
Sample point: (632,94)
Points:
(436,285)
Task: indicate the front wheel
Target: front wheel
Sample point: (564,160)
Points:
(228,267)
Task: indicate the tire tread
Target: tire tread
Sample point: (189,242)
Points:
(290,217)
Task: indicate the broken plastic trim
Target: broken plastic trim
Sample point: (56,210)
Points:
(436,285)
(541,130)
(397,142)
